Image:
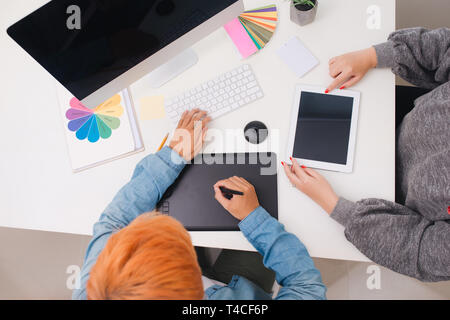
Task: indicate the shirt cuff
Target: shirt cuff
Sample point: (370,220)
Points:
(172,158)
(385,54)
(254,220)
(343,211)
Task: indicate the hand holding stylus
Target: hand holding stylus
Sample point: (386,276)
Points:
(240,205)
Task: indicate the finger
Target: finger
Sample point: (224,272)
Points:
(350,82)
(332,60)
(228,183)
(299,172)
(335,70)
(197,128)
(199,115)
(188,117)
(239,183)
(219,183)
(340,79)
(206,120)
(220,197)
(185,119)
(205,131)
(291,175)
(201,120)
(313,173)
(181,121)
(244,183)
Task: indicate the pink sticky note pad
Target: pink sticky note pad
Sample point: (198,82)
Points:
(240,38)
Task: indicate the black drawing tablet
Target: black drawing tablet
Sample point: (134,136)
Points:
(191,198)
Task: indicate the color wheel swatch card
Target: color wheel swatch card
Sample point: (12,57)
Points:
(101,134)
(253,29)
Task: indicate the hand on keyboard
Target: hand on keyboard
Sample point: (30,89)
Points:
(190,133)
(218,96)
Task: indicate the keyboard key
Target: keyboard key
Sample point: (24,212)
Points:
(252,90)
(251,84)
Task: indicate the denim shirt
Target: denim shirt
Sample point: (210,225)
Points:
(282,251)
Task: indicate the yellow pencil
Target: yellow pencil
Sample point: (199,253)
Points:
(163,142)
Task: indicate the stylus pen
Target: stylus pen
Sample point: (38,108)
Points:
(228,193)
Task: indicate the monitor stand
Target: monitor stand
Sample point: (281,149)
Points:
(172,68)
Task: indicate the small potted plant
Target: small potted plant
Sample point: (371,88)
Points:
(303,11)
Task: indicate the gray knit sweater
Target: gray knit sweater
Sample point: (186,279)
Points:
(413,239)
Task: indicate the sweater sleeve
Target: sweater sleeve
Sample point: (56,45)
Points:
(418,55)
(397,237)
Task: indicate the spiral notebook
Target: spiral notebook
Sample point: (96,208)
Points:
(95,136)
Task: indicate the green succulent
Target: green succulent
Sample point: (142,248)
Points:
(304,2)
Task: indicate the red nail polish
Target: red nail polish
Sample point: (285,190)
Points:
(448,210)
(290,158)
(341,88)
(282,163)
(303,166)
(326,91)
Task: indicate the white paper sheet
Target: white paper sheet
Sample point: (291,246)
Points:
(298,58)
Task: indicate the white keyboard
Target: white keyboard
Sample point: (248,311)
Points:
(218,96)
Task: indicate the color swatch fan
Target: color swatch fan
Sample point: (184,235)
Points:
(97,123)
(252,30)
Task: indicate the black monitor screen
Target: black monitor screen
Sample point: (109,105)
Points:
(323,127)
(113,35)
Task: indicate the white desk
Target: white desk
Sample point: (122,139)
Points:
(39,191)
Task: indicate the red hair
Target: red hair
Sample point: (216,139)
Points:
(152,258)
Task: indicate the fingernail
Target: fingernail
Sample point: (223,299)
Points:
(303,166)
(282,163)
(290,158)
(326,91)
(341,88)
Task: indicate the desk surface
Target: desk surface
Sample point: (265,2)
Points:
(39,190)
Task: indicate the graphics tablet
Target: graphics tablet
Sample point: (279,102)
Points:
(191,200)
(323,128)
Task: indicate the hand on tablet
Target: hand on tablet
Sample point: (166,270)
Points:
(351,67)
(190,133)
(313,184)
(240,206)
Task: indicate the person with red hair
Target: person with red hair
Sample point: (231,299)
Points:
(137,253)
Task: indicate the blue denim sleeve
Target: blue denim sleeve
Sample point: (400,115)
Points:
(152,176)
(286,255)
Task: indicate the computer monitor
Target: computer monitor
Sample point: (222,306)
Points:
(115,42)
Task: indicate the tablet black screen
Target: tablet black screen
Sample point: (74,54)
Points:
(323,127)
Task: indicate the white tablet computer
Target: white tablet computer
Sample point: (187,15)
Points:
(323,128)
